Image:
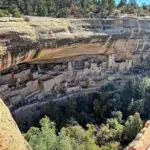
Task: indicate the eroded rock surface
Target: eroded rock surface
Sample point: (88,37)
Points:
(10,136)
(21,39)
(142,141)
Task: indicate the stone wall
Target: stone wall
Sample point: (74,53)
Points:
(6,78)
(15,99)
(73,89)
(47,85)
(24,91)
(22,76)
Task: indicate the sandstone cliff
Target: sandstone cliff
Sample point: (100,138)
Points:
(21,39)
(10,136)
(142,141)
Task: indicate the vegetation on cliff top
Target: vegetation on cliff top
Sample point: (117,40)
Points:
(74,8)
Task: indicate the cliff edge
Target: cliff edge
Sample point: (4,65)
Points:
(142,140)
(10,136)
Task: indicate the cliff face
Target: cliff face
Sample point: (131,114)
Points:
(10,136)
(21,39)
(142,141)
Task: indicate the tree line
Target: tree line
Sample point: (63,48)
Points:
(70,8)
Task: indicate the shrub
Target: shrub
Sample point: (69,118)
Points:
(4,13)
(62,13)
(142,14)
(116,13)
(14,10)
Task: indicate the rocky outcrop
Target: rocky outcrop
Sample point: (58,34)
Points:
(10,136)
(21,39)
(142,141)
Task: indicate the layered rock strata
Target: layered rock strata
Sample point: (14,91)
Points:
(22,39)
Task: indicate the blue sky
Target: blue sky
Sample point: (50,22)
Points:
(139,1)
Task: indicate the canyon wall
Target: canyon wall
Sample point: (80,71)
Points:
(142,140)
(22,38)
(10,136)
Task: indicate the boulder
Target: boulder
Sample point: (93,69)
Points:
(10,136)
